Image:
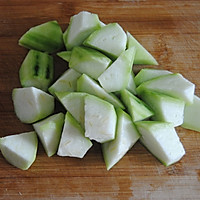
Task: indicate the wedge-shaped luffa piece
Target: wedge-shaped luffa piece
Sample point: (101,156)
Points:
(80,27)
(142,56)
(148,74)
(192,115)
(116,76)
(88,85)
(74,102)
(126,136)
(47,37)
(110,39)
(100,119)
(66,82)
(49,131)
(65,55)
(165,108)
(88,61)
(161,139)
(37,70)
(20,149)
(174,85)
(73,143)
(32,104)
(136,107)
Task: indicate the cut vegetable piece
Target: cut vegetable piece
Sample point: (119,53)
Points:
(73,143)
(110,39)
(148,74)
(161,139)
(32,104)
(174,85)
(116,77)
(49,131)
(131,87)
(90,86)
(88,61)
(126,136)
(142,56)
(36,70)
(80,27)
(20,150)
(66,83)
(165,108)
(47,37)
(100,119)
(192,115)
(74,103)
(136,107)
(65,55)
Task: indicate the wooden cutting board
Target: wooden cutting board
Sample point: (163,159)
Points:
(170,31)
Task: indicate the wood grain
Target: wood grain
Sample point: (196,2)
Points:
(170,30)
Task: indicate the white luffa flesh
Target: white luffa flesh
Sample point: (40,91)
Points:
(161,139)
(20,149)
(73,143)
(100,119)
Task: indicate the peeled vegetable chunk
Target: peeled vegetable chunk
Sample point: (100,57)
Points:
(126,136)
(174,85)
(49,131)
(142,56)
(74,102)
(88,85)
(100,119)
(192,115)
(80,27)
(136,107)
(88,61)
(47,37)
(161,139)
(36,70)
(116,76)
(73,143)
(32,104)
(110,39)
(165,108)
(67,82)
(148,74)
(20,149)
(65,55)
